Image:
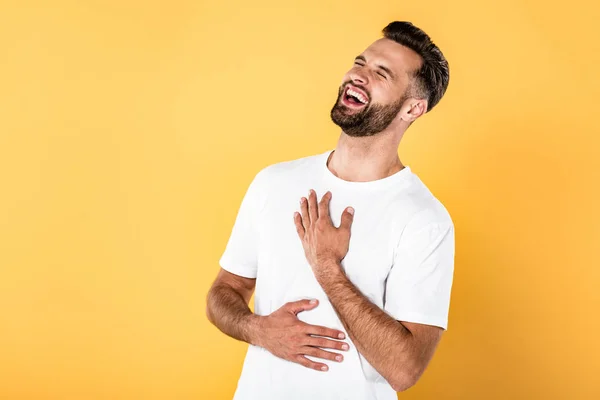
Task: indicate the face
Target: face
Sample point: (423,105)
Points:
(375,89)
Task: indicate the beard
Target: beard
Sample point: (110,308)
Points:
(369,121)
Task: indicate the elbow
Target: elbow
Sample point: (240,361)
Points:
(207,310)
(208,315)
(402,385)
(405,379)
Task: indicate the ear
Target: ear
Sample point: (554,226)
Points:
(413,109)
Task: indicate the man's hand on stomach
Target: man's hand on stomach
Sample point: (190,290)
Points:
(285,336)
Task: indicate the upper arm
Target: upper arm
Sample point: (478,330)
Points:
(242,285)
(241,252)
(419,283)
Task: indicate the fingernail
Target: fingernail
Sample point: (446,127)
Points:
(345,346)
(351,210)
(339,358)
(341,336)
(324,368)
(302,200)
(313,301)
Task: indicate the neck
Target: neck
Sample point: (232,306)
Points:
(363,159)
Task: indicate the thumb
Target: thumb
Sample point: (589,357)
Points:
(301,305)
(347,218)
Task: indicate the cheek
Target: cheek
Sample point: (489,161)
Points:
(379,96)
(386,94)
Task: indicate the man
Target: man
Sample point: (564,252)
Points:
(352,290)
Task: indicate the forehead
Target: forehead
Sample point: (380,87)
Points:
(393,55)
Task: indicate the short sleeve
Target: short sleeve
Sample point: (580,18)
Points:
(419,283)
(241,252)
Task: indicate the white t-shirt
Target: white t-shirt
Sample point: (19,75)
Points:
(401,257)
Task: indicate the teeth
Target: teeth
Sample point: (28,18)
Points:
(359,96)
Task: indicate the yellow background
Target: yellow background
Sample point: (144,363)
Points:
(130,130)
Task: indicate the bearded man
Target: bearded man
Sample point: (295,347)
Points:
(350,256)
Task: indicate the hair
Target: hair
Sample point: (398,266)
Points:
(431,80)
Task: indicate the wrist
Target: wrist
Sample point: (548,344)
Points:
(330,271)
(253,324)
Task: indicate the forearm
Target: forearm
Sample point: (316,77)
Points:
(229,312)
(383,341)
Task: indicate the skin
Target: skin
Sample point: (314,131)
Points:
(361,159)
(398,350)
(281,332)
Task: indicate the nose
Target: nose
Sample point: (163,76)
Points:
(358,77)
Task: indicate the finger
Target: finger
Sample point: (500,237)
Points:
(324,205)
(298,223)
(326,343)
(323,331)
(313,211)
(326,355)
(300,359)
(347,218)
(301,305)
(304,212)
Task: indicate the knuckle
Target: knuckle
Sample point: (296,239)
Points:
(300,359)
(308,350)
(322,354)
(325,332)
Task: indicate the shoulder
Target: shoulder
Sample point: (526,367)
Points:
(426,210)
(283,171)
(276,177)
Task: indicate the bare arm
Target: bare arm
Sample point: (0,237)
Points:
(400,351)
(281,332)
(227,306)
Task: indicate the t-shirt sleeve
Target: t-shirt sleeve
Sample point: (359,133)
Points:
(419,283)
(241,252)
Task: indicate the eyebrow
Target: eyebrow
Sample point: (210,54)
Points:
(386,69)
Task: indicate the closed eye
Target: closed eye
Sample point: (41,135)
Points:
(378,72)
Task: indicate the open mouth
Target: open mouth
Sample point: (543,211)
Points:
(353,98)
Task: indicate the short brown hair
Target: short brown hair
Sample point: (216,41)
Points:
(431,80)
